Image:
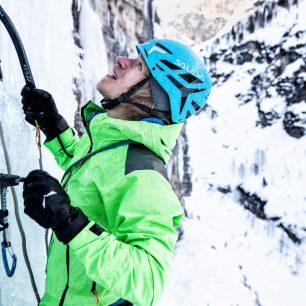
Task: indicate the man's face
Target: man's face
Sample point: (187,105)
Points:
(126,73)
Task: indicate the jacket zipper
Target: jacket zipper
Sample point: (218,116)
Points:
(49,250)
(89,135)
(89,150)
(61,303)
(94,292)
(87,130)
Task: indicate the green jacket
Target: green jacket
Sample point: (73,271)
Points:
(125,191)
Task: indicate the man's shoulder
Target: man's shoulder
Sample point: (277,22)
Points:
(139,157)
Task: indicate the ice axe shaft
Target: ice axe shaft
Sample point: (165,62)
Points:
(24,64)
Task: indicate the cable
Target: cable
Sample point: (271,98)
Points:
(19,223)
(38,142)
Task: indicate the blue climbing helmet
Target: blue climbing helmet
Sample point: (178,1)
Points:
(180,84)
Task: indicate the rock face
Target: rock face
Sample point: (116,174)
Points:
(197,21)
(257,115)
(282,60)
(78,81)
(125,23)
(195,26)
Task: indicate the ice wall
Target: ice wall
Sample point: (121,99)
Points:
(46,29)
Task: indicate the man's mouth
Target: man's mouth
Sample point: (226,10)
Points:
(114,74)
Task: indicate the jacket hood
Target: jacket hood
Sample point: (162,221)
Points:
(105,130)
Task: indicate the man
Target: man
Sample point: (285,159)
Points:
(115,215)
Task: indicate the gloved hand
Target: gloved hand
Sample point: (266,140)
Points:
(39,106)
(48,204)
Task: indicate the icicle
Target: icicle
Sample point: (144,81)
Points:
(233,32)
(79,4)
(269,12)
(251,24)
(252,218)
(298,262)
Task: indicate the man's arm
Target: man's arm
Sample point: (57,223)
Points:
(40,111)
(133,262)
(133,259)
(62,147)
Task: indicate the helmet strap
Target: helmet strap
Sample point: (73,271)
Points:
(123,98)
(154,112)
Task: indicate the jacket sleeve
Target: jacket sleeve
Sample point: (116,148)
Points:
(62,147)
(134,261)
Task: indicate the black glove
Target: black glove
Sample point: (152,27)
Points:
(48,204)
(39,106)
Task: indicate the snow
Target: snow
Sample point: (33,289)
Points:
(227,255)
(292,67)
(229,258)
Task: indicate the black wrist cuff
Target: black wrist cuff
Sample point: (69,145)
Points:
(53,131)
(74,225)
(96,229)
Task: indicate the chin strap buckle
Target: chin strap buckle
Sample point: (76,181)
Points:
(109,104)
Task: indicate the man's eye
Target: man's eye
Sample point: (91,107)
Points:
(139,66)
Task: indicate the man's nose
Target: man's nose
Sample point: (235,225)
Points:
(123,62)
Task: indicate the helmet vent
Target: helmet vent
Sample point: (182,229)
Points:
(163,47)
(184,90)
(195,106)
(175,82)
(160,68)
(183,101)
(170,65)
(188,114)
(189,78)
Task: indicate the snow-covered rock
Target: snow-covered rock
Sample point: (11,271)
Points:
(244,238)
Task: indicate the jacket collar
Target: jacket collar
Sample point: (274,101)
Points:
(106,130)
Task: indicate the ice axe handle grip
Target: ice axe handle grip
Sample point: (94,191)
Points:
(9,180)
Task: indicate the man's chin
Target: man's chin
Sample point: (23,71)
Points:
(101,87)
